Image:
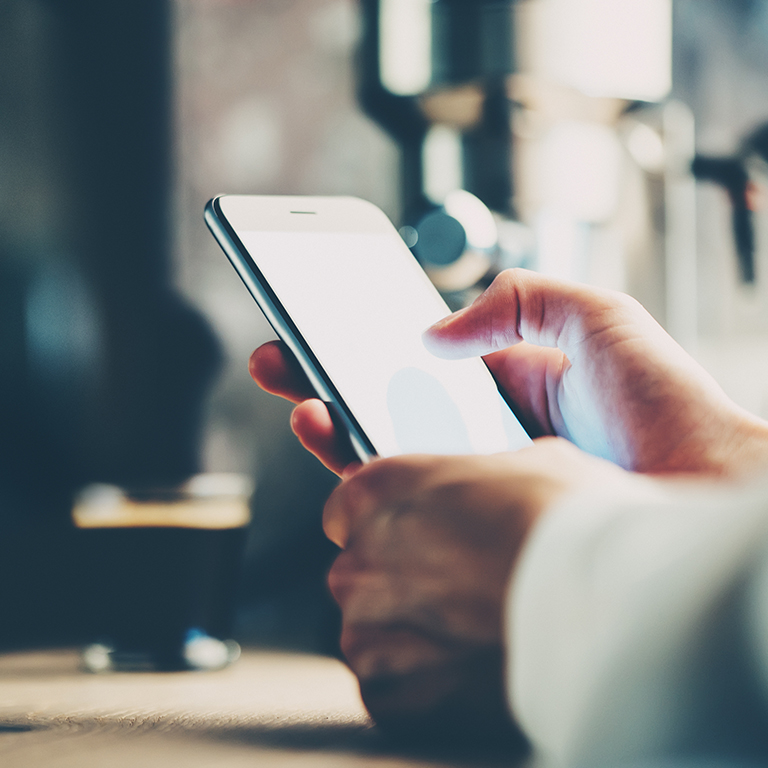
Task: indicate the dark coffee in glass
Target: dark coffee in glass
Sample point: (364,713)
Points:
(165,569)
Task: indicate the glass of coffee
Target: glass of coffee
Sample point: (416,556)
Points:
(165,568)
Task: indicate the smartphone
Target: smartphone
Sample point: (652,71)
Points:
(343,291)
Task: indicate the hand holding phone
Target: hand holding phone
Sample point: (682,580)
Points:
(273,367)
(349,300)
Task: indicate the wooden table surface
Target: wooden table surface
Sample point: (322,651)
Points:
(268,709)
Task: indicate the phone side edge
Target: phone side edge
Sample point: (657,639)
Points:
(280,322)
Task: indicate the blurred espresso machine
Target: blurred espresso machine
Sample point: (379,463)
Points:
(435,76)
(539,134)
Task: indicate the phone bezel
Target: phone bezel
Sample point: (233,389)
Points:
(284,327)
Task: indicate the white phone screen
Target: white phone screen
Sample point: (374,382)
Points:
(361,302)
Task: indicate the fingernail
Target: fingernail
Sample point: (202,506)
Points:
(447,320)
(434,342)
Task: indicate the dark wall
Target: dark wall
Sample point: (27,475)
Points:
(104,369)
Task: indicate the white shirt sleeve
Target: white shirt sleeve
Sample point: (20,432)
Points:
(639,626)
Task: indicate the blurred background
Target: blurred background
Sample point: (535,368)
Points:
(618,142)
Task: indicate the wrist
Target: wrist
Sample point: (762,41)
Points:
(730,447)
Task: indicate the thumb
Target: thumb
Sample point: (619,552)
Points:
(523,306)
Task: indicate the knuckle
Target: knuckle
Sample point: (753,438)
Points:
(379,486)
(349,644)
(509,277)
(610,299)
(338,579)
(335,514)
